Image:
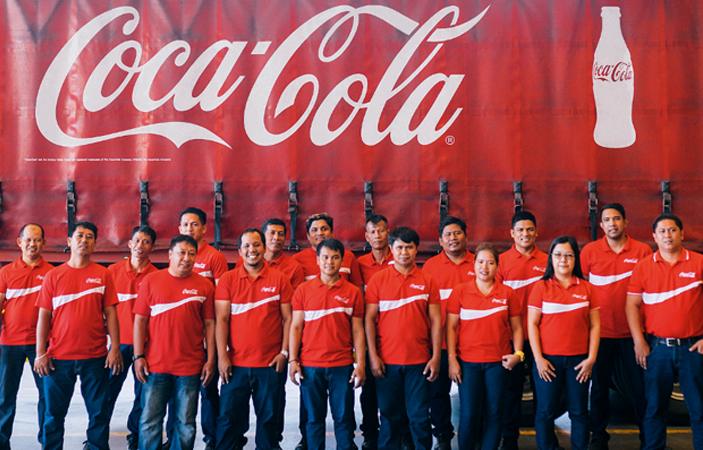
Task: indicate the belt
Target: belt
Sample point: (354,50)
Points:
(674,342)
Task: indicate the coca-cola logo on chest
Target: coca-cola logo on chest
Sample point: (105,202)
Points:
(404,73)
(621,71)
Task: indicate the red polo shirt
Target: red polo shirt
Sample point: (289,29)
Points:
(521,273)
(127,284)
(327,339)
(403,333)
(20,284)
(610,273)
(255,324)
(369,267)
(564,328)
(289,267)
(210,263)
(349,271)
(672,302)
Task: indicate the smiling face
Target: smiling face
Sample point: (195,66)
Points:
(140,246)
(564,260)
(377,235)
(329,261)
(82,242)
(668,236)
(252,250)
(453,240)
(524,234)
(31,242)
(319,231)
(181,259)
(613,224)
(485,266)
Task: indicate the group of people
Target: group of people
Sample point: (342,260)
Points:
(332,323)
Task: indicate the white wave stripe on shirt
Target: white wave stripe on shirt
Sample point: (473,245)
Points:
(557,308)
(388,305)
(64,299)
(445,293)
(660,297)
(241,308)
(310,277)
(345,270)
(126,297)
(309,316)
(206,274)
(164,307)
(600,280)
(17,293)
(473,314)
(517,284)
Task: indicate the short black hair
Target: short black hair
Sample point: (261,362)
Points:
(488,247)
(549,273)
(84,224)
(667,216)
(321,216)
(332,244)
(32,225)
(274,221)
(146,229)
(193,210)
(376,219)
(523,215)
(183,238)
(251,230)
(450,220)
(405,234)
(616,206)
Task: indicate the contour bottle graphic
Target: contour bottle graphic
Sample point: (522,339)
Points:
(613,85)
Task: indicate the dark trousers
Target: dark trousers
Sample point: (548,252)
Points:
(512,409)
(369,405)
(115,386)
(440,403)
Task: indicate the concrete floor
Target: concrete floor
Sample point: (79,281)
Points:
(623,433)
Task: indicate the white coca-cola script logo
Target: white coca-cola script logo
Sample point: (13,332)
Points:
(190,291)
(268,289)
(259,100)
(94,280)
(687,275)
(621,71)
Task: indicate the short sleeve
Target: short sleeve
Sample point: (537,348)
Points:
(454,301)
(535,299)
(297,301)
(110,296)
(46,292)
(298,276)
(208,311)
(514,308)
(433,292)
(286,290)
(141,304)
(636,286)
(223,292)
(219,265)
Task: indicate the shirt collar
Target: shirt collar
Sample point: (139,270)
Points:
(466,260)
(24,265)
(606,247)
(575,281)
(243,272)
(684,256)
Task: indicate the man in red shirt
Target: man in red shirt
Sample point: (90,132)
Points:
(128,275)
(252,304)
(519,268)
(453,266)
(173,312)
(328,326)
(404,335)
(76,300)
(275,232)
(665,315)
(20,283)
(211,264)
(608,264)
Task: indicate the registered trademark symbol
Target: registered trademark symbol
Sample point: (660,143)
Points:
(449,140)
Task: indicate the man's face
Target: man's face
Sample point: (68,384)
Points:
(31,243)
(319,231)
(82,242)
(140,246)
(191,226)
(377,235)
(524,233)
(252,250)
(181,259)
(404,253)
(612,223)
(329,261)
(668,236)
(275,237)
(453,240)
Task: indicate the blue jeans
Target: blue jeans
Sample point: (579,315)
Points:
(116,382)
(58,390)
(262,384)
(11,367)
(608,351)
(369,405)
(482,396)
(404,384)
(440,404)
(156,393)
(662,363)
(549,393)
(316,385)
(512,408)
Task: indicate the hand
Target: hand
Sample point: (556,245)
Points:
(510,361)
(208,373)
(585,370)
(697,347)
(641,352)
(114,360)
(141,370)
(378,367)
(358,376)
(454,370)
(224,366)
(544,368)
(433,368)
(43,366)
(279,362)
(295,369)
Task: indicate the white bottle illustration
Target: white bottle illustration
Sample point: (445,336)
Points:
(613,85)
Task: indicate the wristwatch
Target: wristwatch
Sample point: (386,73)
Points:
(284,353)
(136,357)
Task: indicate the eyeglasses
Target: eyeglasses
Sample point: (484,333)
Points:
(564,255)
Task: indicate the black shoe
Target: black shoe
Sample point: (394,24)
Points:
(598,444)
(444,442)
(406,442)
(132,442)
(370,444)
(508,444)
(166,445)
(210,444)
(303,444)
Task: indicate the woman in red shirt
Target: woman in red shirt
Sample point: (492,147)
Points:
(563,322)
(483,316)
